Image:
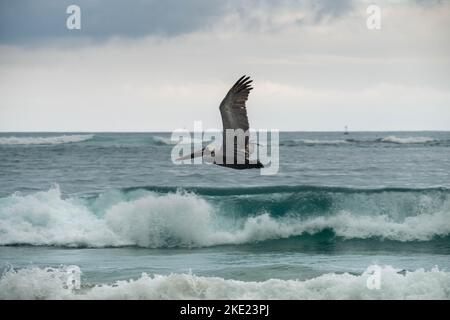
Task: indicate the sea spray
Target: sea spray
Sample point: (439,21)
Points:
(51,283)
(51,140)
(186,219)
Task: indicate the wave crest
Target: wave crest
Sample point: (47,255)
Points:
(408,140)
(51,283)
(182,219)
(291,143)
(45,140)
(168,141)
(352,141)
(45,218)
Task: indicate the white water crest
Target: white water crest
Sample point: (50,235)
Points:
(407,140)
(311,141)
(168,141)
(45,140)
(51,283)
(188,220)
(293,143)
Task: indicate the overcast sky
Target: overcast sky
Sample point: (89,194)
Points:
(161,65)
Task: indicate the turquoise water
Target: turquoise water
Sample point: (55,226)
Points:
(115,206)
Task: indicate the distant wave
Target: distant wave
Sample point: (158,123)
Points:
(45,140)
(185,219)
(389,139)
(312,142)
(167,141)
(163,141)
(51,283)
(277,189)
(408,140)
(330,142)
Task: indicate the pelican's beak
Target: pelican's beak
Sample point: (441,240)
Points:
(193,155)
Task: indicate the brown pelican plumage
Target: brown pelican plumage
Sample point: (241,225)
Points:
(234,119)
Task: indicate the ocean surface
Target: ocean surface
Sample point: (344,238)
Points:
(109,216)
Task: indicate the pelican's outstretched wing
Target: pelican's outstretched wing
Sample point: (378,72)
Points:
(232,108)
(234,112)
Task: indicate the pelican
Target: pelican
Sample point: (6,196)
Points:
(234,117)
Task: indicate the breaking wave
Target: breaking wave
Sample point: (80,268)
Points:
(386,140)
(389,140)
(51,283)
(408,140)
(168,141)
(144,218)
(45,140)
(312,142)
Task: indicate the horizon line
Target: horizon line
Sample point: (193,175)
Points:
(168,131)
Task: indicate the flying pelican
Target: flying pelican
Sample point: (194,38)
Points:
(234,116)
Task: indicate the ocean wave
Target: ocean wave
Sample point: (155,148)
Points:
(45,140)
(277,189)
(44,218)
(290,143)
(184,219)
(163,141)
(168,141)
(51,283)
(352,141)
(158,140)
(408,140)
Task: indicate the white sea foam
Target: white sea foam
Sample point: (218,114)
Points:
(44,218)
(164,141)
(51,283)
(45,140)
(309,141)
(389,139)
(413,140)
(291,143)
(167,141)
(186,220)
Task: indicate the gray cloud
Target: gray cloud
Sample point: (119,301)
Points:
(324,9)
(430,3)
(325,72)
(37,21)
